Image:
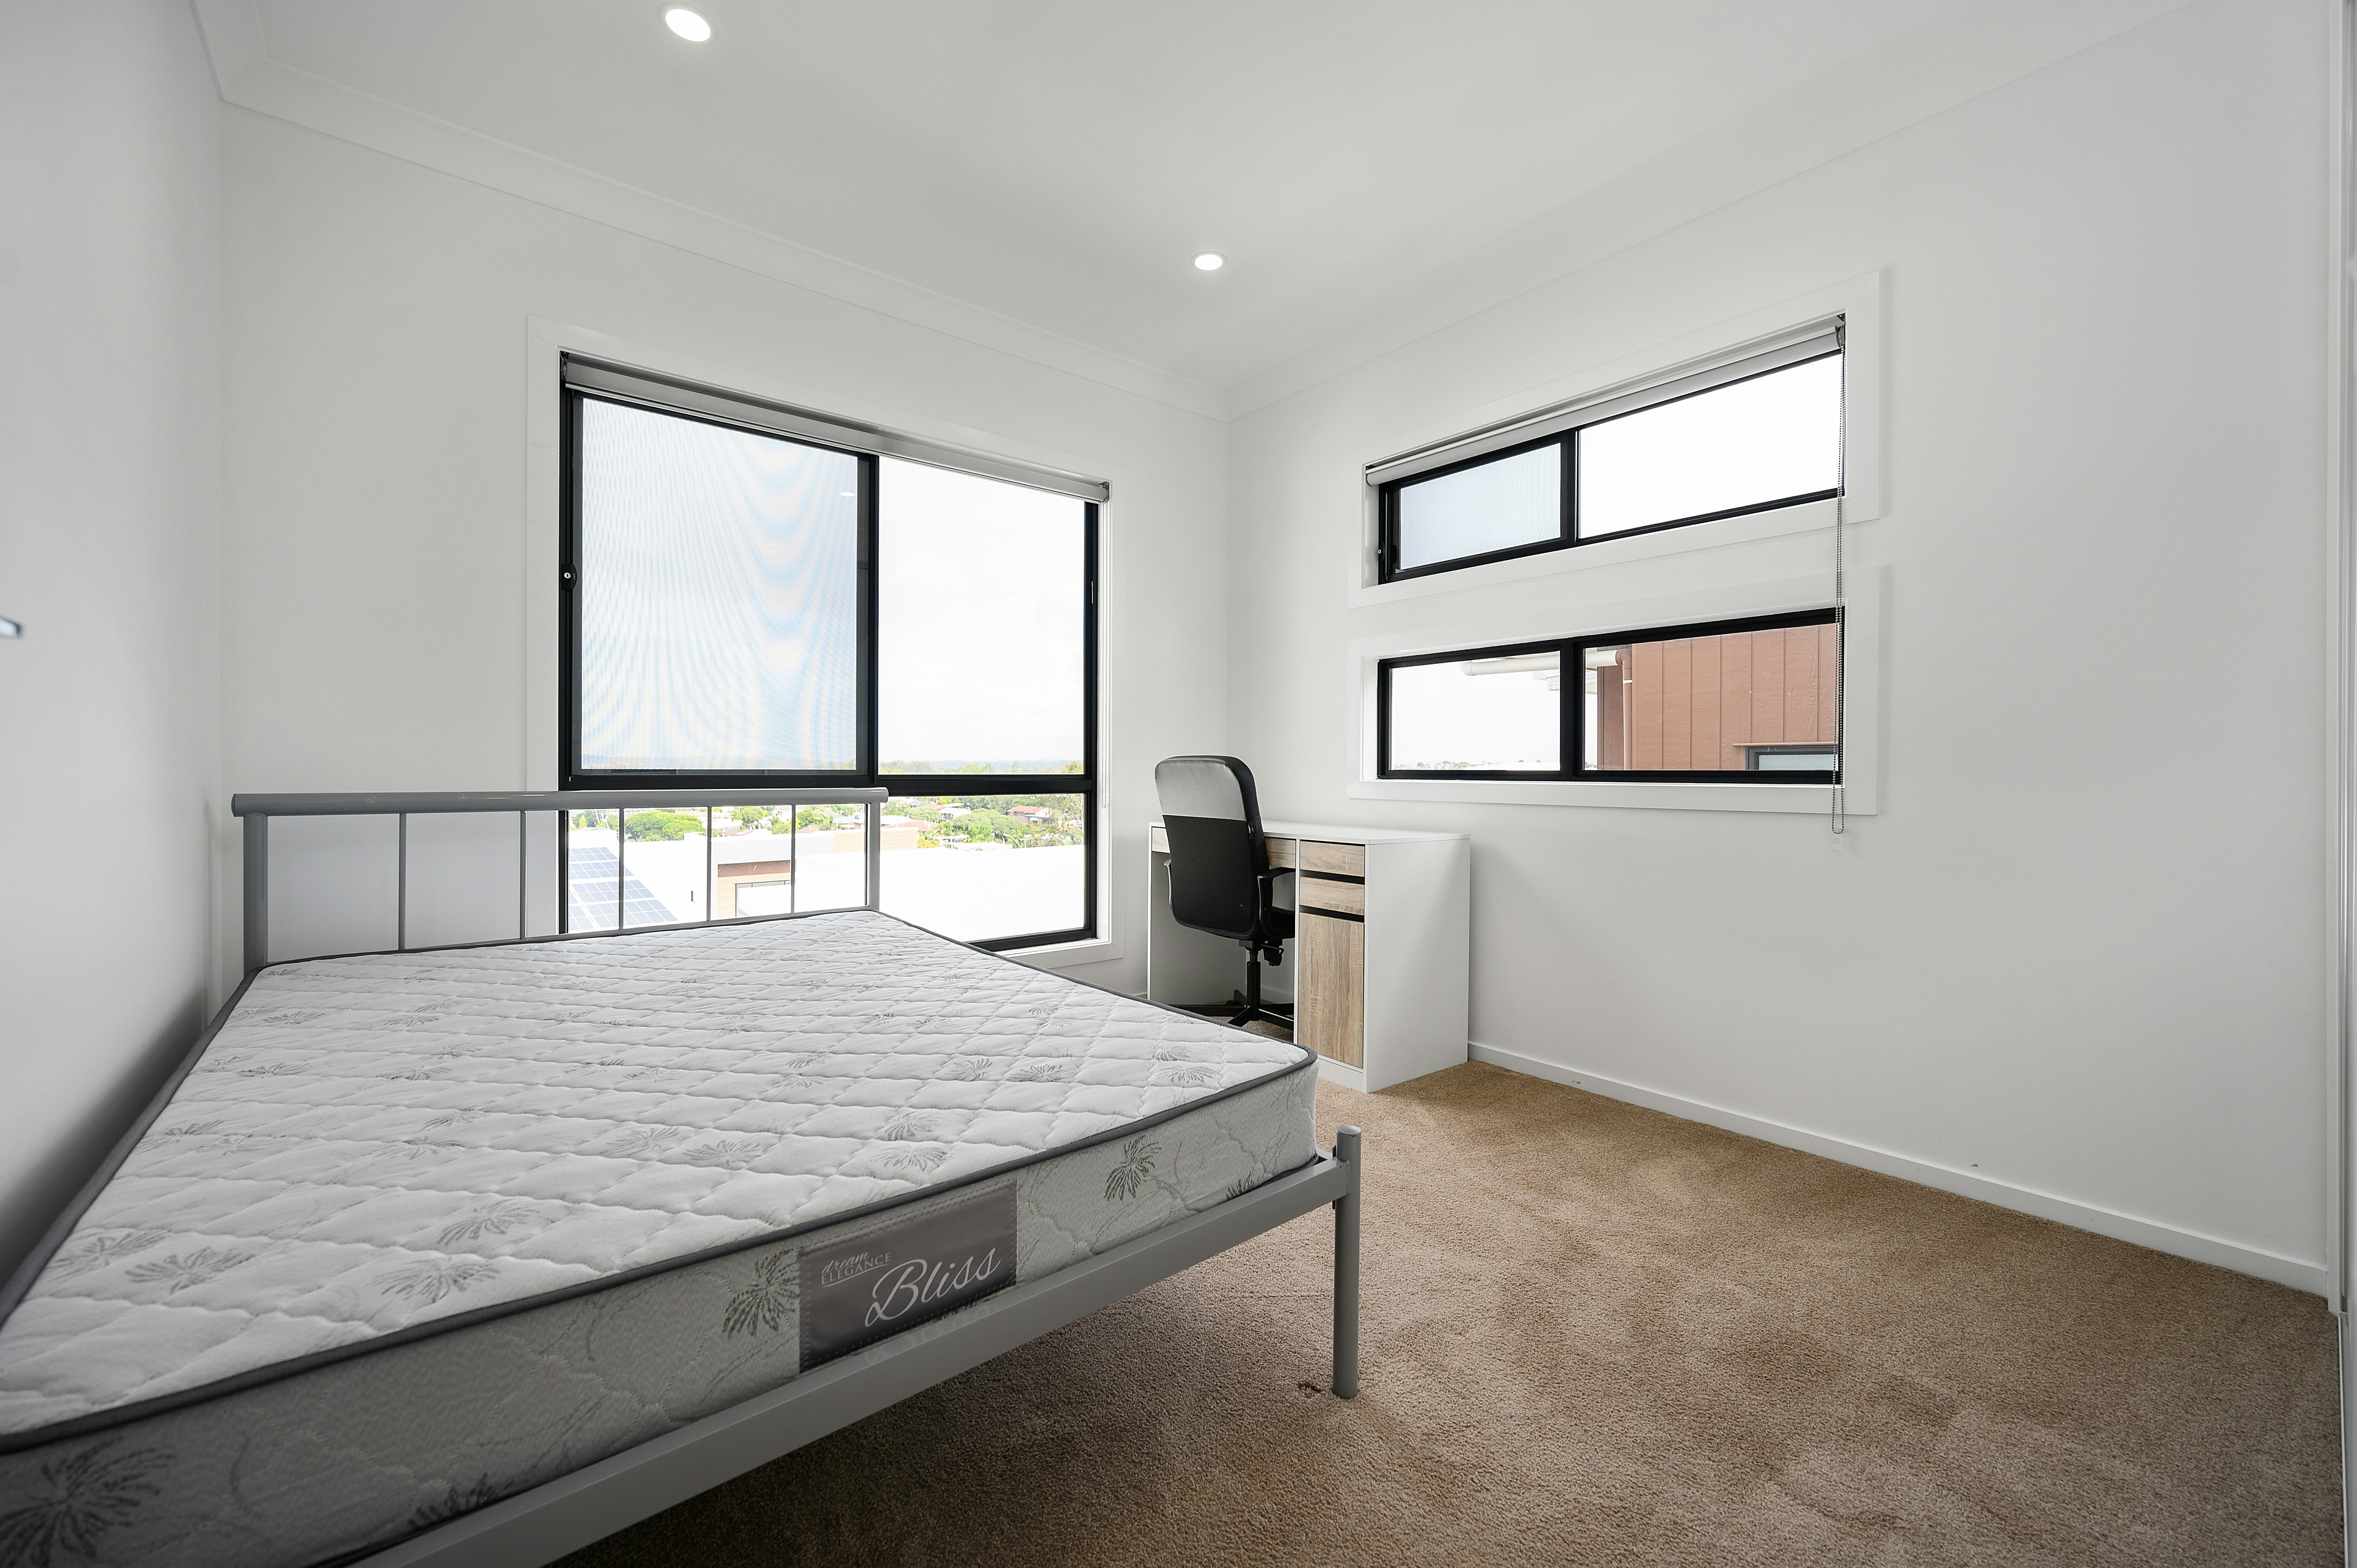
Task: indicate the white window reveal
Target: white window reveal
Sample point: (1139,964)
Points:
(1758,432)
(1736,701)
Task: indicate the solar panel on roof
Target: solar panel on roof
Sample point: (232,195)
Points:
(590,901)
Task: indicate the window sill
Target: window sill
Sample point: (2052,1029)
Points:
(1064,955)
(1857,300)
(1464,627)
(1807,517)
(1802,800)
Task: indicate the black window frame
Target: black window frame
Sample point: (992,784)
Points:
(1568,535)
(869,773)
(1566,732)
(1571,744)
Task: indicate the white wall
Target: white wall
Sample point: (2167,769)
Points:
(386,502)
(2077,954)
(2079,951)
(108,712)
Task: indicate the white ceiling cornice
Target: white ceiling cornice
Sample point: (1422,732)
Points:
(1876,97)
(250,79)
(233,33)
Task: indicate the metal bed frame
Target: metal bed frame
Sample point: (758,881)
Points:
(545,1522)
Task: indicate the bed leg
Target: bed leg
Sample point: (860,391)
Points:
(257,891)
(1346,1270)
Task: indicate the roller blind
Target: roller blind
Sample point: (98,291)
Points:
(1757,358)
(624,385)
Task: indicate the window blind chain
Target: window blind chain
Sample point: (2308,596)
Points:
(1839,818)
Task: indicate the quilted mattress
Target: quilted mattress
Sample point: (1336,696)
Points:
(416,1231)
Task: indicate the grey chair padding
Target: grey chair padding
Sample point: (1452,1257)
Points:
(1217,787)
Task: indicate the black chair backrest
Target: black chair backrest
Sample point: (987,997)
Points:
(1212,816)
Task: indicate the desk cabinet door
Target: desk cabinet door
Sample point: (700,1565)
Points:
(1331,1008)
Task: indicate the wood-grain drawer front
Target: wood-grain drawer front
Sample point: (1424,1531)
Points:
(1350,859)
(1329,1011)
(1158,840)
(1342,897)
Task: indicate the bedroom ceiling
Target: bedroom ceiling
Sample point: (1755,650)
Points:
(1060,163)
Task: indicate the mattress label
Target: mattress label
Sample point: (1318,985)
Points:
(903,1272)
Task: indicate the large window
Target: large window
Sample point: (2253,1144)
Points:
(1752,701)
(1757,434)
(718,599)
(753,595)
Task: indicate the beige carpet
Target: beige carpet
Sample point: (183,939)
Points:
(1597,1334)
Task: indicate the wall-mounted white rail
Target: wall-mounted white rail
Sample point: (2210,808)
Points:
(257,811)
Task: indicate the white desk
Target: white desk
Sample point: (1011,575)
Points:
(1377,970)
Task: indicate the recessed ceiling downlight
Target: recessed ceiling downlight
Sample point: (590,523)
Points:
(1210,262)
(687,24)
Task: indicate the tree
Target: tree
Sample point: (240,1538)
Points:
(814,817)
(981,824)
(748,817)
(658,826)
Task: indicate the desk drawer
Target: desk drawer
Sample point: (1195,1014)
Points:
(1343,859)
(1338,897)
(1331,1008)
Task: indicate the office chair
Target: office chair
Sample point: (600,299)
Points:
(1219,878)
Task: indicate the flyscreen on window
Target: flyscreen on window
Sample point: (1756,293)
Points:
(1489,508)
(754,596)
(1755,701)
(718,599)
(1757,434)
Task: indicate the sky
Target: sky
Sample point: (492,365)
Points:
(980,640)
(719,598)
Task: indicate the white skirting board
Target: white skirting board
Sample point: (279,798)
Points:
(2266,1265)
(1348,1077)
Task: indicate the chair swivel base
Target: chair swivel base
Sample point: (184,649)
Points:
(1236,1010)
